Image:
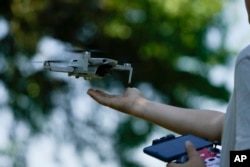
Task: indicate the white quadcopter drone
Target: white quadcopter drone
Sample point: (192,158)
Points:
(84,66)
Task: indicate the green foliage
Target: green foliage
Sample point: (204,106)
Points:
(165,40)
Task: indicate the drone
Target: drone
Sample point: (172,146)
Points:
(83,65)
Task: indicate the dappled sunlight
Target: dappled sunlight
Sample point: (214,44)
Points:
(4,27)
(118,30)
(47,119)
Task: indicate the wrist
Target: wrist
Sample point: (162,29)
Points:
(140,105)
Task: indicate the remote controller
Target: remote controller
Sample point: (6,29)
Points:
(170,148)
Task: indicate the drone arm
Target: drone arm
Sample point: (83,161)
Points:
(86,60)
(126,66)
(59,69)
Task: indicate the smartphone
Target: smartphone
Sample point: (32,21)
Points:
(170,150)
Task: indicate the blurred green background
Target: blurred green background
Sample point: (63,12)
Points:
(48,120)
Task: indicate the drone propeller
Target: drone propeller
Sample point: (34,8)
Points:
(79,50)
(75,50)
(95,51)
(51,61)
(37,61)
(56,61)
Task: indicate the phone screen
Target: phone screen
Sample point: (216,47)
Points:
(170,150)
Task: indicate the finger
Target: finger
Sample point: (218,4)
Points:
(95,93)
(171,164)
(99,96)
(98,93)
(103,98)
(103,94)
(191,150)
(92,93)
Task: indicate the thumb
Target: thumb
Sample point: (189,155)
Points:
(191,150)
(172,164)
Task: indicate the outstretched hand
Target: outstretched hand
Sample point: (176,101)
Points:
(129,102)
(194,158)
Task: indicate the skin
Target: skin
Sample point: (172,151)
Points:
(247,4)
(194,158)
(180,120)
(203,123)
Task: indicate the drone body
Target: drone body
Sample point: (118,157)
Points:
(85,66)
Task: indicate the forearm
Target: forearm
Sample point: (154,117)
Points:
(203,123)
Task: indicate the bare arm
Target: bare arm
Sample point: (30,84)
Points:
(203,123)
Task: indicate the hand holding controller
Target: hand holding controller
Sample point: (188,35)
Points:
(171,148)
(211,157)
